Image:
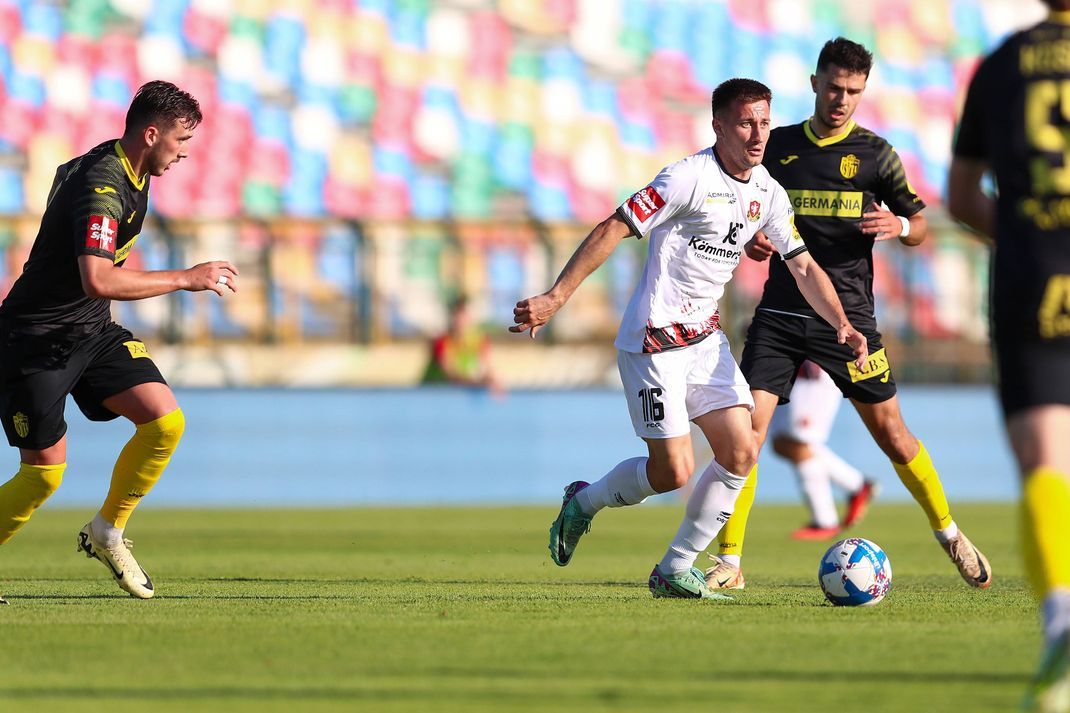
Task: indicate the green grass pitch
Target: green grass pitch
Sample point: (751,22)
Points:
(451,609)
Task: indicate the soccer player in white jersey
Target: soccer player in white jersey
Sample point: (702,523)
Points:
(799,433)
(673,358)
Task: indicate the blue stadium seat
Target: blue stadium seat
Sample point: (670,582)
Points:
(26,88)
(11,195)
(43,20)
(430,197)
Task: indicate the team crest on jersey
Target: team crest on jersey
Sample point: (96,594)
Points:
(849,166)
(754,212)
(645,203)
(101,233)
(22,424)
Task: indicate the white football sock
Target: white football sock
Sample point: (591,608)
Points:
(709,507)
(840,472)
(105,532)
(948,533)
(814,480)
(626,484)
(1056,611)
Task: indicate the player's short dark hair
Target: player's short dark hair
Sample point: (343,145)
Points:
(738,89)
(162,104)
(844,53)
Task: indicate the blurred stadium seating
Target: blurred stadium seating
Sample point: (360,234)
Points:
(364,160)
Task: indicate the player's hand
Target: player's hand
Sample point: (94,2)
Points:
(532,313)
(759,248)
(858,343)
(881,224)
(217,276)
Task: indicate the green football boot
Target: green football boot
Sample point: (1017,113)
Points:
(686,585)
(571,524)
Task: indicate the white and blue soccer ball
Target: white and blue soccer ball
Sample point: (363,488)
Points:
(855,573)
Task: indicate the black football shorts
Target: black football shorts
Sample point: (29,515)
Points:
(1032,373)
(37,373)
(778,343)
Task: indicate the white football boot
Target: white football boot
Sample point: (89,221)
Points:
(120,561)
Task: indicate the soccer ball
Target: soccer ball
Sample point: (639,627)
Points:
(855,572)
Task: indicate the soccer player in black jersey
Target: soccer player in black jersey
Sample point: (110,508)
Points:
(1016,124)
(57,336)
(837,174)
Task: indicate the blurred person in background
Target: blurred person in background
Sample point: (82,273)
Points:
(57,336)
(1016,124)
(461,354)
(837,175)
(674,360)
(799,433)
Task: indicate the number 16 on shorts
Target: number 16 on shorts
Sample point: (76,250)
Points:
(653,409)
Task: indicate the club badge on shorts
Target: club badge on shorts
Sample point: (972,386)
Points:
(22,424)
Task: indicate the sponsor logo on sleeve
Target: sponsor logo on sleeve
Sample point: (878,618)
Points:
(137,349)
(105,189)
(101,233)
(645,203)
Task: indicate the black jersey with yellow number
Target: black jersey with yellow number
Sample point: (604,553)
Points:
(96,207)
(1017,120)
(831,182)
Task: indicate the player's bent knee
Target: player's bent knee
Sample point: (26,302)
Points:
(165,432)
(740,459)
(43,479)
(670,476)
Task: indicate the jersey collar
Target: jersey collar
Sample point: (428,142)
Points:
(724,170)
(829,140)
(139,183)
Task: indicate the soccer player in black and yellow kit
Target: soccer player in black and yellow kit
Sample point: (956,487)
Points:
(1016,123)
(57,336)
(837,174)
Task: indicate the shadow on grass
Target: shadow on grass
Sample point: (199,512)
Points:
(485,689)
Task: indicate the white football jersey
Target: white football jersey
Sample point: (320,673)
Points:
(697,218)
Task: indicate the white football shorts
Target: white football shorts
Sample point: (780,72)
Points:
(665,391)
(809,415)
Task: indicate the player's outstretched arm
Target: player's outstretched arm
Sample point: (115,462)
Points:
(536,311)
(819,292)
(966,202)
(102,279)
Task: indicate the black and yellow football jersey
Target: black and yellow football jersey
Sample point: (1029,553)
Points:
(1017,119)
(96,207)
(831,182)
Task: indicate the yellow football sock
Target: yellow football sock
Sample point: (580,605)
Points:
(24,493)
(1046,529)
(921,479)
(730,538)
(140,465)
